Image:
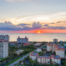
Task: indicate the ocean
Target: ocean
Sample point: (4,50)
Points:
(37,37)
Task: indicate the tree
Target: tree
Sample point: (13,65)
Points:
(64,63)
(19,62)
(48,62)
(31,61)
(40,53)
(56,64)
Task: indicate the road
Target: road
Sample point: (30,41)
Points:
(19,60)
(22,58)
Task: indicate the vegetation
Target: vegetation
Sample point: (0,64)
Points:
(41,53)
(64,63)
(31,46)
(35,63)
(13,56)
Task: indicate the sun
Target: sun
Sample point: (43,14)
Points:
(38,32)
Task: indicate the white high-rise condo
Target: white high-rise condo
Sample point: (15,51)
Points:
(4,37)
(4,40)
(55,40)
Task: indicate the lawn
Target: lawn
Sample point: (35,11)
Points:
(13,61)
(17,59)
(13,57)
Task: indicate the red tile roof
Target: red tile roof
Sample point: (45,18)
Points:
(26,44)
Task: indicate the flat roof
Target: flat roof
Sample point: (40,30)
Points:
(35,53)
(40,56)
(44,56)
(60,46)
(56,56)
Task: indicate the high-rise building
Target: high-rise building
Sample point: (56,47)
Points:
(3,49)
(55,40)
(4,37)
(22,40)
(4,40)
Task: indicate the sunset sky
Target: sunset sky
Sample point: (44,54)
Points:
(31,16)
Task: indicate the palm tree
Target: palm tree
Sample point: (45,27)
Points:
(54,62)
(48,62)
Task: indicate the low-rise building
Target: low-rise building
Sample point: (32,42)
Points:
(26,44)
(43,59)
(38,50)
(37,44)
(49,47)
(33,56)
(12,43)
(56,59)
(18,52)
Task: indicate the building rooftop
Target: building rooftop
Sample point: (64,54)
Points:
(52,43)
(40,56)
(56,56)
(34,53)
(37,44)
(60,46)
(44,57)
(19,51)
(22,38)
(26,44)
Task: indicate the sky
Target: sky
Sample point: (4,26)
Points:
(31,16)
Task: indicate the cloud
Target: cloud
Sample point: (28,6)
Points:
(52,23)
(8,26)
(45,25)
(20,0)
(56,22)
(59,22)
(61,16)
(23,25)
(36,25)
(56,27)
(16,0)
